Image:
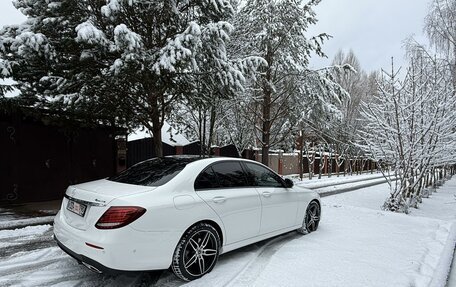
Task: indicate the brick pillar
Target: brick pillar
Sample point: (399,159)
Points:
(179,150)
(216,151)
(280,164)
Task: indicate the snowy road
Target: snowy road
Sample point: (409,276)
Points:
(356,245)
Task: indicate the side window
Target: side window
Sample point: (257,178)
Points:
(263,177)
(206,180)
(230,174)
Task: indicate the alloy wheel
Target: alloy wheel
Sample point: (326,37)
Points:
(197,252)
(200,253)
(312,217)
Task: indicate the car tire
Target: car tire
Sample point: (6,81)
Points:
(197,252)
(311,218)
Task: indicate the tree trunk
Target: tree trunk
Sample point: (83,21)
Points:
(157,118)
(267,95)
(211,128)
(158,144)
(266,136)
(454,68)
(301,155)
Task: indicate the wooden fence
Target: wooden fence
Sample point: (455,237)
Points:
(288,164)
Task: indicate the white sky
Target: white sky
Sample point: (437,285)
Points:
(374,29)
(9,14)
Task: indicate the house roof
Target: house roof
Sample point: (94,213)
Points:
(169,135)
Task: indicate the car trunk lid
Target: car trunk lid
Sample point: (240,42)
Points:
(84,203)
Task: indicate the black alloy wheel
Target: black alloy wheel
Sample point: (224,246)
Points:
(197,252)
(311,219)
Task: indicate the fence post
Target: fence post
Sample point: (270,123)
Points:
(280,163)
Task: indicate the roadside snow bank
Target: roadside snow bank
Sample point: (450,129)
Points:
(20,236)
(442,270)
(26,231)
(21,223)
(316,183)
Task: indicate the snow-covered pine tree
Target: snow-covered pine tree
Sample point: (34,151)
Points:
(132,58)
(208,108)
(52,69)
(160,48)
(276,31)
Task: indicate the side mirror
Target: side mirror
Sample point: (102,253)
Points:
(288,183)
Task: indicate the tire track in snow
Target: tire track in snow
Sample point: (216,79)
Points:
(51,266)
(262,254)
(248,274)
(21,268)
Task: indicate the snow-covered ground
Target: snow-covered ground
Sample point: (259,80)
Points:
(356,244)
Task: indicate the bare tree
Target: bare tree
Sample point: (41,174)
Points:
(440,27)
(353,82)
(360,86)
(410,126)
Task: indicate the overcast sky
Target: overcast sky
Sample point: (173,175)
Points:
(374,29)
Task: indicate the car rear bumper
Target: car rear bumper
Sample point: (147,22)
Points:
(121,250)
(87,262)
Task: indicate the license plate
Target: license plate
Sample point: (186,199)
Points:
(76,207)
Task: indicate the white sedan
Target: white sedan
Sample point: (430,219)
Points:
(179,213)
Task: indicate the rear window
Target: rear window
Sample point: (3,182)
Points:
(153,172)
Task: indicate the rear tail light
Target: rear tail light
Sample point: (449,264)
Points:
(119,216)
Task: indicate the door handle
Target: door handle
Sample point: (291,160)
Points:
(219,199)
(266,194)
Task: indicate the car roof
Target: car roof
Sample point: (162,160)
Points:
(196,160)
(203,162)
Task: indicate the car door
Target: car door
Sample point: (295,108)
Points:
(279,204)
(223,186)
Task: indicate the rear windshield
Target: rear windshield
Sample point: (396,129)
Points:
(153,172)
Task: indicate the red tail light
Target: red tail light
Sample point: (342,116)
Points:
(119,216)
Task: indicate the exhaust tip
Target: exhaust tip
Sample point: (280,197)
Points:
(92,268)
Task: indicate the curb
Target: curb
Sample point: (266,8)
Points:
(450,279)
(363,184)
(441,274)
(317,185)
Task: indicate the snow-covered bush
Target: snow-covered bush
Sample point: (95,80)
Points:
(410,127)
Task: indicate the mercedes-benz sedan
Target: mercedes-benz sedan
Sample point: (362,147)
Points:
(179,213)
